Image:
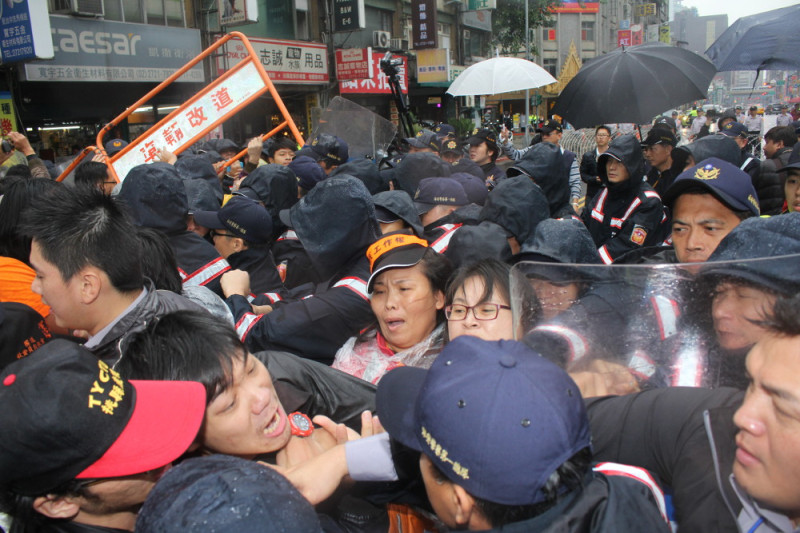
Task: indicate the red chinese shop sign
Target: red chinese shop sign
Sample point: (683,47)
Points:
(377,84)
(353,63)
(211,106)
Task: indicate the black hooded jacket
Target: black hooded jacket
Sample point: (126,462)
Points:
(336,223)
(198,167)
(547,167)
(518,205)
(627,215)
(769,184)
(156,198)
(276,187)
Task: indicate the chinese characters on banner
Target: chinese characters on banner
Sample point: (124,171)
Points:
(291,62)
(623,37)
(353,64)
(24,31)
(213,105)
(377,84)
(576,7)
(8,119)
(423,23)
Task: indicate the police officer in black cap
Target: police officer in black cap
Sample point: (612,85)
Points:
(657,148)
(484,151)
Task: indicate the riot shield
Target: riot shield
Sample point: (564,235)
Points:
(366,133)
(646,326)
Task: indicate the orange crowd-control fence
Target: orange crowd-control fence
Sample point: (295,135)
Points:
(211,106)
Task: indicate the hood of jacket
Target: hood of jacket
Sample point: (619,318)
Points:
(198,167)
(275,186)
(335,223)
(200,196)
(486,240)
(401,204)
(628,150)
(563,240)
(155,197)
(364,169)
(544,164)
(518,205)
(720,146)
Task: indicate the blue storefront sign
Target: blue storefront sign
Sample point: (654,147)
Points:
(24,31)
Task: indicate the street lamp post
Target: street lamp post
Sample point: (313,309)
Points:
(527,91)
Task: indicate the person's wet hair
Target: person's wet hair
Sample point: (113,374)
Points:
(158,260)
(25,518)
(184,346)
(16,200)
(784,320)
(91,174)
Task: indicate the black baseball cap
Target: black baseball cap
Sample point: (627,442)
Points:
(726,182)
(549,127)
(326,145)
(451,146)
(444,130)
(394,250)
(68,415)
(439,191)
(484,135)
(660,134)
(243,217)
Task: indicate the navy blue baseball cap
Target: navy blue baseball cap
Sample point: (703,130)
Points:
(115,145)
(243,217)
(308,172)
(484,135)
(726,182)
(734,129)
(494,417)
(326,145)
(444,130)
(424,139)
(439,191)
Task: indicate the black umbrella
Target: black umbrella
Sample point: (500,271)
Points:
(633,85)
(766,41)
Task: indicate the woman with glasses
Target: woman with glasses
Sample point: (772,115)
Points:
(479,304)
(406,290)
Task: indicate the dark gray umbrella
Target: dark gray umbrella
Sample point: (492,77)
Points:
(634,84)
(766,41)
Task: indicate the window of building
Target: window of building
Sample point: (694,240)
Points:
(160,12)
(386,20)
(548,33)
(587,30)
(551,66)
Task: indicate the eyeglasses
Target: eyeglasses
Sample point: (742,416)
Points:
(484,311)
(215,233)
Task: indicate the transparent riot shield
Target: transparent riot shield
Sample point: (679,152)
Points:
(367,134)
(632,327)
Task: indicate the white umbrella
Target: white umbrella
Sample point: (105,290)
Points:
(500,75)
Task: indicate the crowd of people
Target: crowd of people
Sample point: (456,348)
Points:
(306,341)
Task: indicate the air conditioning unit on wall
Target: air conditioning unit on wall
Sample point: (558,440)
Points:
(381,39)
(398,44)
(92,8)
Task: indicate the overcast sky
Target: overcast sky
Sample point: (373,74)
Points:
(736,8)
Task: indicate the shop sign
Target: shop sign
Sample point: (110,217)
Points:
(474,5)
(623,37)
(636,34)
(25,31)
(353,63)
(349,15)
(481,19)
(625,24)
(101,50)
(423,24)
(8,119)
(652,33)
(576,7)
(290,62)
(663,34)
(237,12)
(433,65)
(377,84)
(211,106)
(455,70)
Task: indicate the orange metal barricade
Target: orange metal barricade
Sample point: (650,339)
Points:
(251,59)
